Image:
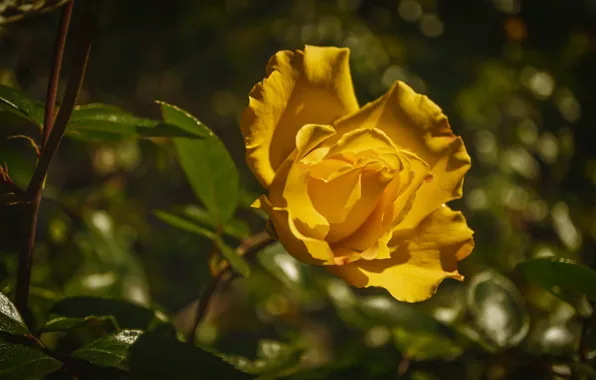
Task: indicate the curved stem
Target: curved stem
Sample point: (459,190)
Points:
(247,249)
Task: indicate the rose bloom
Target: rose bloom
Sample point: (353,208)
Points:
(360,190)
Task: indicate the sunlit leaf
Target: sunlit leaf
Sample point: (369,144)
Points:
(207,164)
(155,356)
(184,224)
(128,315)
(236,261)
(284,267)
(100,122)
(18,361)
(562,277)
(67,323)
(498,309)
(178,117)
(233,227)
(18,104)
(10,319)
(109,351)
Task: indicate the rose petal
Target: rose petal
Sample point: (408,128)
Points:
(394,204)
(313,86)
(413,122)
(419,261)
(346,214)
(289,187)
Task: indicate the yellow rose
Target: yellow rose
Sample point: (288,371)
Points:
(359,190)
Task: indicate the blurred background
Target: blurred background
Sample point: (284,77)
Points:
(516,79)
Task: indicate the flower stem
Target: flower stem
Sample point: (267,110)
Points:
(247,249)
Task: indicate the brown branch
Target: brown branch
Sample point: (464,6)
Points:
(55,69)
(54,132)
(71,93)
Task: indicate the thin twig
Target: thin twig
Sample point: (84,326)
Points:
(35,188)
(55,70)
(247,249)
(71,93)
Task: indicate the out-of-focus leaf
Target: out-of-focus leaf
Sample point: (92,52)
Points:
(422,345)
(99,122)
(207,164)
(284,267)
(109,351)
(273,358)
(236,261)
(155,356)
(110,269)
(233,227)
(18,104)
(128,315)
(67,323)
(563,277)
(498,309)
(14,10)
(583,369)
(416,334)
(18,361)
(184,224)
(10,319)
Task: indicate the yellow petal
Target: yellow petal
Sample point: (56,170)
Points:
(413,122)
(348,199)
(313,86)
(360,140)
(289,187)
(302,247)
(394,204)
(419,261)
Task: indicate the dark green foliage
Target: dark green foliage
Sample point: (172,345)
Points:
(18,361)
(11,321)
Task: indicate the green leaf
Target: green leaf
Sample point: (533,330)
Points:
(560,276)
(109,351)
(18,104)
(10,319)
(207,164)
(498,309)
(423,345)
(284,267)
(236,261)
(100,122)
(128,315)
(155,356)
(184,224)
(233,227)
(110,269)
(272,359)
(68,323)
(16,10)
(18,361)
(178,117)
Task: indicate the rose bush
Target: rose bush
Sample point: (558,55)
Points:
(359,190)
